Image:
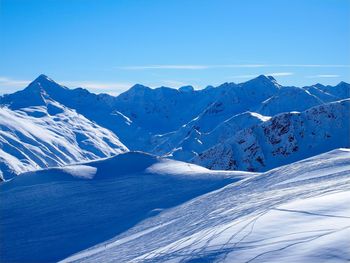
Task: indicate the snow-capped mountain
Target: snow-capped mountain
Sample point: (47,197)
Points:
(98,108)
(49,135)
(283,139)
(330,93)
(289,99)
(241,106)
(179,124)
(189,141)
(68,209)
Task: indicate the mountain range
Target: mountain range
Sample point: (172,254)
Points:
(254,126)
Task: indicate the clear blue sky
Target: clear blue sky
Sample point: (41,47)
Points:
(108,45)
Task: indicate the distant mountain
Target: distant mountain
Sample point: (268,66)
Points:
(98,108)
(240,106)
(235,99)
(163,109)
(285,138)
(179,124)
(326,93)
(187,142)
(50,134)
(289,99)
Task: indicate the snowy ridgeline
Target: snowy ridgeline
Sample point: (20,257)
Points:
(255,125)
(162,210)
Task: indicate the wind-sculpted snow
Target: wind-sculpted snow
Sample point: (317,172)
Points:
(50,135)
(295,213)
(50,214)
(283,139)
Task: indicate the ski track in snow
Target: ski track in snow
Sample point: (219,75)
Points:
(266,218)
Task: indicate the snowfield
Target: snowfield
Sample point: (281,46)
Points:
(52,213)
(136,207)
(264,218)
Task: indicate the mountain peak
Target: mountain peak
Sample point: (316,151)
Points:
(264,80)
(42,78)
(44,82)
(271,78)
(342,83)
(319,85)
(139,87)
(136,90)
(188,88)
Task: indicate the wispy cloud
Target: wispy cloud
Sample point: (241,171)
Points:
(201,67)
(15,83)
(324,76)
(96,84)
(8,85)
(164,67)
(273,74)
(248,76)
(190,67)
(313,65)
(279,74)
(112,88)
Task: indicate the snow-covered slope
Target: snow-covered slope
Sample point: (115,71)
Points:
(283,139)
(296,213)
(236,98)
(330,93)
(163,109)
(289,99)
(50,214)
(187,142)
(51,135)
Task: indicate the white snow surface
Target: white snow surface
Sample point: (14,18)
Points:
(50,214)
(264,218)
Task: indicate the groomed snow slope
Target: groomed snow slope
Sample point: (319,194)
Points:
(295,213)
(50,135)
(50,214)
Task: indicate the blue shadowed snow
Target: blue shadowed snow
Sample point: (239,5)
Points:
(51,214)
